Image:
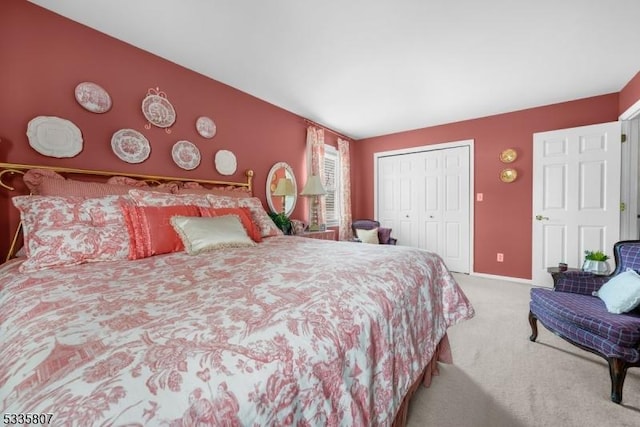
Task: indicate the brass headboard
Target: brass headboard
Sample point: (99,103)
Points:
(15,168)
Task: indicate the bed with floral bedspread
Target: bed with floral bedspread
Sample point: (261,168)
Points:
(291,331)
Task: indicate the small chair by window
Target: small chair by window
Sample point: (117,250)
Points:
(363,230)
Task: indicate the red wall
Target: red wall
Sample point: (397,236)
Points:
(44,57)
(503,219)
(630,94)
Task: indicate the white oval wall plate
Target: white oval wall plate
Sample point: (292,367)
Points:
(54,137)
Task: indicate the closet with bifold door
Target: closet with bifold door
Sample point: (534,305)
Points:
(424,194)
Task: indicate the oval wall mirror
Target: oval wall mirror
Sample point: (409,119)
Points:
(282,190)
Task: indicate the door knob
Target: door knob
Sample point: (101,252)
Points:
(430,216)
(542,218)
(407,216)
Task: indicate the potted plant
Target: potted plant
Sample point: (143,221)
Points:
(595,262)
(281,221)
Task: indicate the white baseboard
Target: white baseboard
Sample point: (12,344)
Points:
(506,278)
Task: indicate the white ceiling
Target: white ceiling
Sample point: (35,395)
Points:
(373,67)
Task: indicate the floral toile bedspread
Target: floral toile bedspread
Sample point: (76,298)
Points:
(293,331)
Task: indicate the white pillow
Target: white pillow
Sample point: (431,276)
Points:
(201,234)
(368,236)
(621,293)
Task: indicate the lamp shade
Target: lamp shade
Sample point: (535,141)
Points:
(284,188)
(313,187)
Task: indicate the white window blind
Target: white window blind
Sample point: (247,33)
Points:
(331,185)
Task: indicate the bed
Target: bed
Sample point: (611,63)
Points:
(287,331)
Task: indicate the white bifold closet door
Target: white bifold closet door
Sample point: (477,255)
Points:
(424,197)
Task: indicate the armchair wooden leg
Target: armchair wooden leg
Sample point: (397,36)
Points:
(618,372)
(533,321)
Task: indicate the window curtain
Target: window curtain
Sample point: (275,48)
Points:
(315,147)
(345,190)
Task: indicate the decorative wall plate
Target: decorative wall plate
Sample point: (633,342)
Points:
(226,162)
(93,97)
(158,110)
(508,155)
(206,127)
(130,146)
(54,137)
(186,155)
(508,175)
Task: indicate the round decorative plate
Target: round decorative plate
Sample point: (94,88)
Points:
(92,97)
(508,175)
(206,127)
(130,146)
(226,162)
(186,155)
(508,155)
(158,110)
(54,137)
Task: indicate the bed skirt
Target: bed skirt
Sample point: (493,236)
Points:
(442,354)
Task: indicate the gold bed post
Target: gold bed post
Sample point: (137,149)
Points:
(8,169)
(249,174)
(14,242)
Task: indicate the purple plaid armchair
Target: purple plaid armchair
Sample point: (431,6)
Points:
(384,234)
(571,312)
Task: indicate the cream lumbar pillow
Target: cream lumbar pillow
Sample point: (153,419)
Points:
(368,236)
(200,234)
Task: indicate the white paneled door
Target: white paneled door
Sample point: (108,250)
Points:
(424,197)
(576,195)
(397,202)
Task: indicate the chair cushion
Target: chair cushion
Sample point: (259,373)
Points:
(587,313)
(584,337)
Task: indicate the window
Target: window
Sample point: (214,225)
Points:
(332,185)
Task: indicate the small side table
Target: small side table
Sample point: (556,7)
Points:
(321,235)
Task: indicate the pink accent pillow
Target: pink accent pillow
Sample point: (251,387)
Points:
(260,216)
(33,179)
(165,187)
(62,231)
(153,198)
(125,180)
(48,183)
(150,229)
(244,214)
(228,191)
(69,187)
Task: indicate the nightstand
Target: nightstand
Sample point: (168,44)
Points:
(321,235)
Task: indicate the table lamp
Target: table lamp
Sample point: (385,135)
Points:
(314,188)
(284,189)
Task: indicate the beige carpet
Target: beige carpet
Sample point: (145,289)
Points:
(500,378)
